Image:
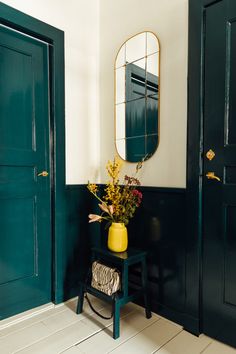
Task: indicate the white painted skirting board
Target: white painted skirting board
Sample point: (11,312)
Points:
(29,314)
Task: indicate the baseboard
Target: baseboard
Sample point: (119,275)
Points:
(25,315)
(31,313)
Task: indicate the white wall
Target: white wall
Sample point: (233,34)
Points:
(80,21)
(120,20)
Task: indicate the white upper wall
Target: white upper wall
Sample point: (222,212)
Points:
(79,19)
(120,20)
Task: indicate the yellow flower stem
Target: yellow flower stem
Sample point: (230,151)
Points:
(95,195)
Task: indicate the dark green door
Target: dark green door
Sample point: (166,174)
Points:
(141,112)
(219,196)
(25,242)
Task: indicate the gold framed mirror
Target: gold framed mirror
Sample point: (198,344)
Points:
(137,83)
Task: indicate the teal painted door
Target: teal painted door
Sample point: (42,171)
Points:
(141,112)
(219,196)
(25,241)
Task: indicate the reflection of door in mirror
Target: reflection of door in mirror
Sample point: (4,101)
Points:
(137,88)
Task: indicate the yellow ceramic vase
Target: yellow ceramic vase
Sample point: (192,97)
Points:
(117,237)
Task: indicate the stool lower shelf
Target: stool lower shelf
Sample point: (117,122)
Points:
(127,293)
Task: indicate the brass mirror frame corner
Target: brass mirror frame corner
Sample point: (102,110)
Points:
(159,94)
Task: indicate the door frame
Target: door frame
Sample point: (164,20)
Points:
(55,38)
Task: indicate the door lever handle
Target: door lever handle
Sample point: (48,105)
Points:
(43,174)
(211,175)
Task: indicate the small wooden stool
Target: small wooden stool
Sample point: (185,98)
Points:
(122,261)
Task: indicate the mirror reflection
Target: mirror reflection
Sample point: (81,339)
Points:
(137,97)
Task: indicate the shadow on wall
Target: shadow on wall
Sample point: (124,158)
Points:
(80,237)
(159,228)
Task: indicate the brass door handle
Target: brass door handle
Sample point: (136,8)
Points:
(211,175)
(43,174)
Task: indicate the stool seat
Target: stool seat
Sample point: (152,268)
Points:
(122,261)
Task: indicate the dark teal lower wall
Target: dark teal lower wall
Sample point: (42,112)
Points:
(158,227)
(74,241)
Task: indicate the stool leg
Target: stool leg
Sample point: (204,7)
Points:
(80,299)
(144,284)
(116,319)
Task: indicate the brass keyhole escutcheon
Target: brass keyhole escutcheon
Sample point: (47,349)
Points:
(210,155)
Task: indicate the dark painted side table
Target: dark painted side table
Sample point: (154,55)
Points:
(122,261)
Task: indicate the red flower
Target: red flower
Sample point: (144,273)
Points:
(138,196)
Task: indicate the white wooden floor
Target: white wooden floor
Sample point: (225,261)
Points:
(57,329)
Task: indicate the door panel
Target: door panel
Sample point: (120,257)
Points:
(13,265)
(25,243)
(17,99)
(219,197)
(230,263)
(231,84)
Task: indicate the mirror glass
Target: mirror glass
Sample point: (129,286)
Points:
(137,97)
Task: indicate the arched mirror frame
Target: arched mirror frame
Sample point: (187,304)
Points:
(144,57)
